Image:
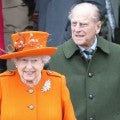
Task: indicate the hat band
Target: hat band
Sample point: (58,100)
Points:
(32,43)
(21,43)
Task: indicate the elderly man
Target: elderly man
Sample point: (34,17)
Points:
(91,65)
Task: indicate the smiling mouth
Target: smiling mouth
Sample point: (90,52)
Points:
(29,72)
(79,35)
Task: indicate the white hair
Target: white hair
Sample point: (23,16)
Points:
(97,16)
(45,58)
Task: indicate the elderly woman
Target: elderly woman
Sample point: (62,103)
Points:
(29,92)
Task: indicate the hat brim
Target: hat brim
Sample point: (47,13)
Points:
(40,51)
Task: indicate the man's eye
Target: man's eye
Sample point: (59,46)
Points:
(74,23)
(83,24)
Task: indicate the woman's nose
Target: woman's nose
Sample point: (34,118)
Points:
(29,64)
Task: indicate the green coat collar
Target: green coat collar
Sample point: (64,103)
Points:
(70,47)
(103,45)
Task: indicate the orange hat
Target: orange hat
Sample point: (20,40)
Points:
(29,43)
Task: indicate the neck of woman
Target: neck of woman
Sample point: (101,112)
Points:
(32,83)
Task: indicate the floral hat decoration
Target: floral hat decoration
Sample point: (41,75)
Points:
(29,43)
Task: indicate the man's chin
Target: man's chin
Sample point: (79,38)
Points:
(80,43)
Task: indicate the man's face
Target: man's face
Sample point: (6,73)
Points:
(84,28)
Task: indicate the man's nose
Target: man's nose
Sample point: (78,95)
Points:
(78,27)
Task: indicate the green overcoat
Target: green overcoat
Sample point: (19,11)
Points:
(94,86)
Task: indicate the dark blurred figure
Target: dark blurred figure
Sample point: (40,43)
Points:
(31,7)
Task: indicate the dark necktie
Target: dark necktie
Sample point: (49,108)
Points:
(88,54)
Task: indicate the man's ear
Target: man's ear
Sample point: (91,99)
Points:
(98,27)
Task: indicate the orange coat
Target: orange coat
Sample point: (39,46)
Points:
(20,102)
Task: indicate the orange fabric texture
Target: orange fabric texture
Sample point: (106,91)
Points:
(20,102)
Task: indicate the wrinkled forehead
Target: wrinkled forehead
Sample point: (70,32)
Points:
(82,17)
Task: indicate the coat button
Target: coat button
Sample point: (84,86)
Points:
(30,90)
(31,107)
(90,74)
(91,118)
(91,96)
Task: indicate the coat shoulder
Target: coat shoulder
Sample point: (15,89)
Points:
(7,73)
(53,73)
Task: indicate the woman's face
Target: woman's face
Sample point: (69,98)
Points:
(29,69)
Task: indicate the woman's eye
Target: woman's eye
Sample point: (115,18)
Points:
(35,60)
(24,60)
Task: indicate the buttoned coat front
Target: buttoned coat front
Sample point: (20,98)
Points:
(94,86)
(48,100)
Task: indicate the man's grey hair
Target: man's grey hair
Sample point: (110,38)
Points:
(98,12)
